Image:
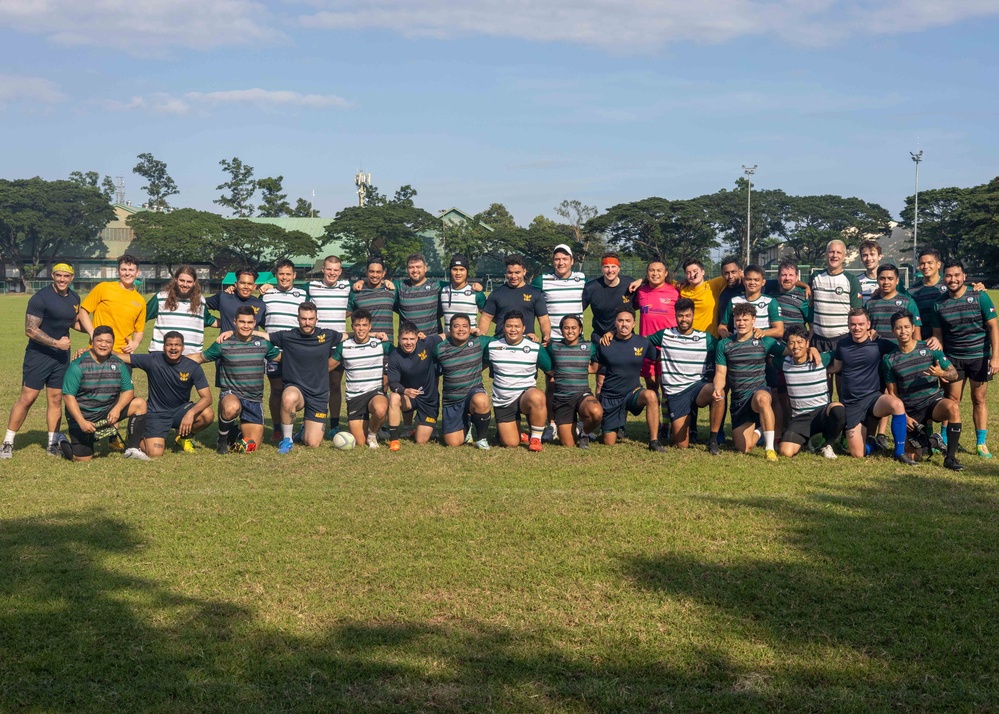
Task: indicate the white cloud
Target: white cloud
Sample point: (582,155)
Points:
(28,90)
(163,103)
(142,26)
(646,25)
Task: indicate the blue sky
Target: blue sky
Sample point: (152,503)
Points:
(525,103)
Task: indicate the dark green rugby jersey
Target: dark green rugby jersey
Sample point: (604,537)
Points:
(746,364)
(906,371)
(794,306)
(925,296)
(96,385)
(881,311)
(241,365)
(380,302)
(571,367)
(962,321)
(420,304)
(461,366)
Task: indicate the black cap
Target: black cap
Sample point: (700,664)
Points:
(458,261)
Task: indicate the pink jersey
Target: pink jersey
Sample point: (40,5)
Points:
(657,308)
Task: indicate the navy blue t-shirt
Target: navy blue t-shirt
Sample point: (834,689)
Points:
(226,305)
(726,295)
(170,384)
(305,359)
(529,300)
(57,313)
(622,360)
(604,302)
(861,367)
(416,369)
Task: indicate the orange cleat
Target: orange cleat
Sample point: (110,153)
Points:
(535,445)
(394,445)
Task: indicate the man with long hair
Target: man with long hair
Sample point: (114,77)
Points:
(181,308)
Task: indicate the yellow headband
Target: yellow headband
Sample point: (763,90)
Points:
(63,267)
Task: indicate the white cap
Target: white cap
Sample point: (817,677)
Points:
(562,247)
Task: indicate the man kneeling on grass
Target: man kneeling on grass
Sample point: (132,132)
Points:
(808,395)
(363,358)
(97,391)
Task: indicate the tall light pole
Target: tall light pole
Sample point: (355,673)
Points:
(749,171)
(916,158)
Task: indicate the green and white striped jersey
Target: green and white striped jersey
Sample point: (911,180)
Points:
(832,298)
(190,324)
(420,304)
(515,368)
(363,363)
(564,296)
(282,308)
(458,301)
(685,359)
(807,389)
(767,312)
(331,303)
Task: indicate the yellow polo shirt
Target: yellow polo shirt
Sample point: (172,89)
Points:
(705,297)
(124,311)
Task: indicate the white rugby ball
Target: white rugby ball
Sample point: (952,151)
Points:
(344,440)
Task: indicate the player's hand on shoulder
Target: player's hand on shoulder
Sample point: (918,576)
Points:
(389,284)
(223,336)
(635,285)
(358,284)
(477,287)
(264,289)
(80,352)
(934,344)
(606,339)
(815,356)
(383,336)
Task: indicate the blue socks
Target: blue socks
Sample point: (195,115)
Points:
(898,433)
(980,435)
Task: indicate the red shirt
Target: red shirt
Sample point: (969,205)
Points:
(657,308)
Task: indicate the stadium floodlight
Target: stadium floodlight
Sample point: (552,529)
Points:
(749,171)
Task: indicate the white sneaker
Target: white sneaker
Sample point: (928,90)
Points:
(827,451)
(372,440)
(468,437)
(6,450)
(138,454)
(483,444)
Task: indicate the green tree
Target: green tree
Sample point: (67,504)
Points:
(182,236)
(389,227)
(813,221)
(44,221)
(491,234)
(303,209)
(673,231)
(160,186)
(92,178)
(727,212)
(541,237)
(576,215)
(275,203)
(260,245)
(240,186)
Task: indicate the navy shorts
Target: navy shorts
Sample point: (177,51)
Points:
(426,411)
(616,408)
(567,408)
(357,407)
(250,412)
(42,370)
(315,404)
(455,417)
(273,369)
(159,424)
(682,404)
(859,411)
(743,413)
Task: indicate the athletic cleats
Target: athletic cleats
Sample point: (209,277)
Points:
(482,444)
(882,441)
(771,455)
(285,446)
(713,448)
(827,452)
(186,444)
(937,443)
(55,448)
(372,440)
(583,442)
(468,437)
(115,444)
(524,438)
(67,450)
(534,445)
(983,451)
(222,446)
(137,454)
(242,446)
(656,447)
(276,436)
(394,445)
(6,450)
(952,464)
(548,435)
(905,459)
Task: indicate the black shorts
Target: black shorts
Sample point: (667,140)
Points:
(273,369)
(804,426)
(616,408)
(42,370)
(924,414)
(682,404)
(977,370)
(862,410)
(743,413)
(82,442)
(825,344)
(315,404)
(426,411)
(455,417)
(508,413)
(357,407)
(249,412)
(567,408)
(159,424)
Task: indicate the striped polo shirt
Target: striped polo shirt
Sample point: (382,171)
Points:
(685,359)
(807,389)
(463,300)
(564,297)
(832,298)
(420,304)
(767,311)
(571,367)
(331,303)
(515,368)
(363,363)
(907,371)
(794,306)
(881,310)
(962,321)
(96,385)
(380,302)
(867,287)
(282,308)
(461,367)
(190,324)
(240,365)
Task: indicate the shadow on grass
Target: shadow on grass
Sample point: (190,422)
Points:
(898,580)
(77,636)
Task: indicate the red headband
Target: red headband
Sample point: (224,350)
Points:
(610,260)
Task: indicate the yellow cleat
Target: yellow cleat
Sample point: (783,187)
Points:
(983,451)
(186,444)
(771,455)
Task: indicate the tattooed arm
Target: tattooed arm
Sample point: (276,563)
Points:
(33,329)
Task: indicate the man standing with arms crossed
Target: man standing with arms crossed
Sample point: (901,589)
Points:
(50,315)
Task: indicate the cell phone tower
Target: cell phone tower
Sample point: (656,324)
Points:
(363,183)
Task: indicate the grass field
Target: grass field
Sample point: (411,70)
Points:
(434,580)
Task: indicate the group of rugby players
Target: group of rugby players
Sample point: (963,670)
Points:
(772,349)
